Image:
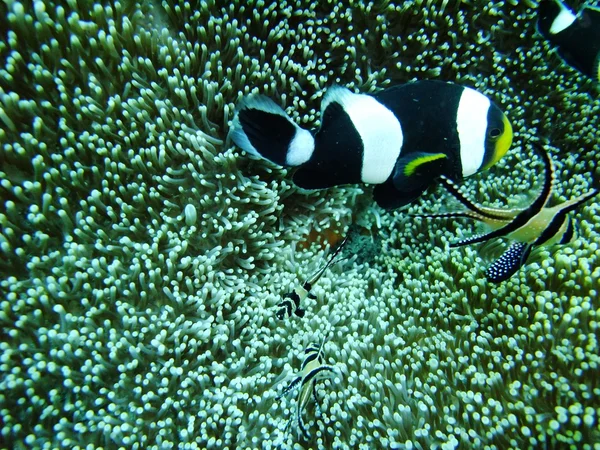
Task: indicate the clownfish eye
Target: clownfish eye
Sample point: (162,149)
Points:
(494,133)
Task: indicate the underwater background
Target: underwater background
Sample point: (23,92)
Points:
(141,254)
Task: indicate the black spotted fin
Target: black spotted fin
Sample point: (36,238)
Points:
(508,263)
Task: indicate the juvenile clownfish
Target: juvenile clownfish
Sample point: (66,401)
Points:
(313,369)
(399,139)
(291,302)
(576,36)
(528,227)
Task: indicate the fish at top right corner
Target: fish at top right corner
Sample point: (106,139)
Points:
(574,34)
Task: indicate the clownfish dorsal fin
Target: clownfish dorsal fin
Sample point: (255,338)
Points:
(333,105)
(332,110)
(509,262)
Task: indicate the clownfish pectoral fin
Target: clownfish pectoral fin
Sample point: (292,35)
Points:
(388,197)
(417,170)
(300,312)
(508,264)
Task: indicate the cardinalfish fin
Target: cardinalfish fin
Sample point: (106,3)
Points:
(560,229)
(416,170)
(476,239)
(449,215)
(290,386)
(509,262)
(314,278)
(483,212)
(549,180)
(573,203)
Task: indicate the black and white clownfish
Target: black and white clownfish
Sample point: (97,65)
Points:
(399,139)
(527,228)
(312,370)
(576,36)
(292,300)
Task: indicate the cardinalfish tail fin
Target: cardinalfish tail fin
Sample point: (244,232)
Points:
(572,204)
(261,127)
(313,279)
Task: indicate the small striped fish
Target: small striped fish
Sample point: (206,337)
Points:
(313,369)
(292,300)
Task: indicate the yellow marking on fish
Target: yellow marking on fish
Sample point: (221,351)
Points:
(503,143)
(412,166)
